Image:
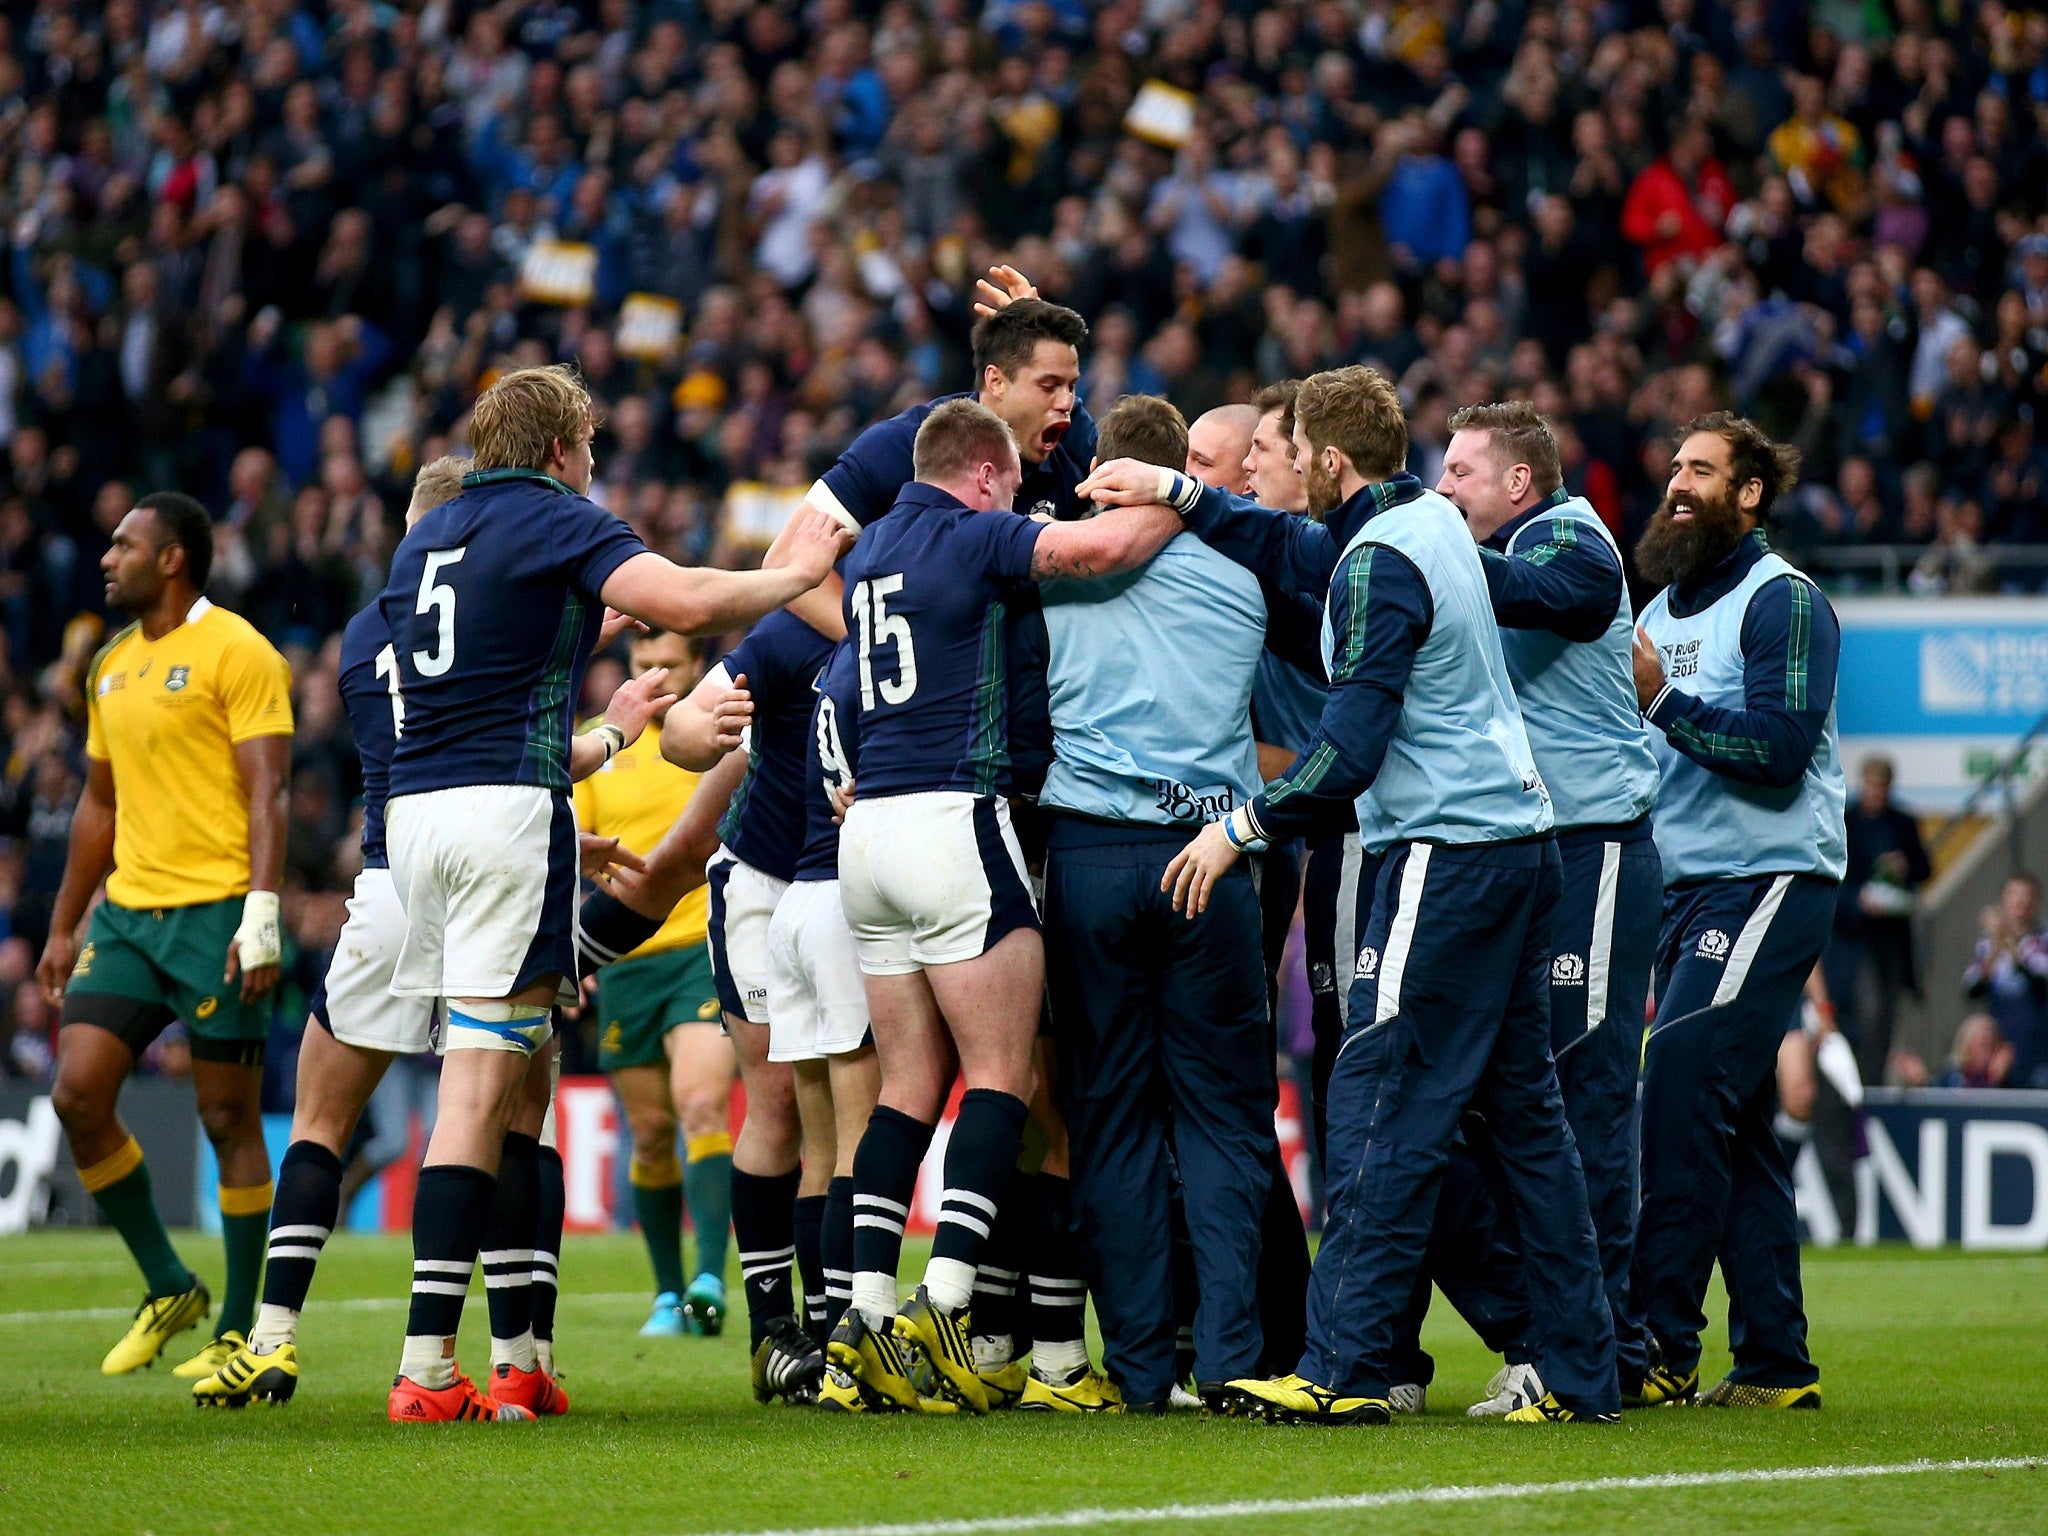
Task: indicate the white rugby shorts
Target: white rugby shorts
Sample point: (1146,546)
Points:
(355,1001)
(487,874)
(743,901)
(931,879)
(817,1002)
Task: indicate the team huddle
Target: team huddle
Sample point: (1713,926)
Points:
(1042,729)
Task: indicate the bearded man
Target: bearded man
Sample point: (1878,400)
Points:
(1735,663)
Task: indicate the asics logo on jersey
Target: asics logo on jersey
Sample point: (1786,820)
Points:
(1713,945)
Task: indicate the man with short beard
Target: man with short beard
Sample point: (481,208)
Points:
(1450,1006)
(1555,576)
(1735,666)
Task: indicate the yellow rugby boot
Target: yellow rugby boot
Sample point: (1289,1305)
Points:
(157,1321)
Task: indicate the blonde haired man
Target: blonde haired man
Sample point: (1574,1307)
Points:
(494,603)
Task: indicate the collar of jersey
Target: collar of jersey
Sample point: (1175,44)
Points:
(1369,503)
(477,477)
(1515,524)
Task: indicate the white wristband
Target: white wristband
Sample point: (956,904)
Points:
(1179,491)
(1237,827)
(259,941)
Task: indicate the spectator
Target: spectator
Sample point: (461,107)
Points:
(1980,1058)
(2009,974)
(1869,959)
(1677,205)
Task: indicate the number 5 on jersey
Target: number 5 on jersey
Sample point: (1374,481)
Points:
(878,627)
(438,598)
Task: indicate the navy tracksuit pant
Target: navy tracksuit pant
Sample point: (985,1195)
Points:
(1162,1029)
(1731,961)
(1605,938)
(1449,1011)
(1336,900)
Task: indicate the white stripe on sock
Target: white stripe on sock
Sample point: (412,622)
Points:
(319,1234)
(443,1266)
(882,1222)
(973,1224)
(969,1197)
(293,1251)
(880,1204)
(438,1288)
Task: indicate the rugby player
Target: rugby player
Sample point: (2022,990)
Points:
(188,767)
(493,603)
(356,1029)
(659,1036)
(762,694)
(931,876)
(1735,663)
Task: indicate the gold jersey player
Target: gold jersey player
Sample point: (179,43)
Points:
(659,1036)
(188,761)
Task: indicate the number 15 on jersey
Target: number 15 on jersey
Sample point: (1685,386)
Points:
(879,627)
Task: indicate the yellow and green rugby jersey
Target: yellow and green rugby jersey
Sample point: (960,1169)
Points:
(167,715)
(636,797)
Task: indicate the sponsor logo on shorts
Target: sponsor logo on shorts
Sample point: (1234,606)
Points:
(176,679)
(1368,963)
(614,1036)
(1568,971)
(757,994)
(1713,945)
(707,1010)
(85,959)
(208,1006)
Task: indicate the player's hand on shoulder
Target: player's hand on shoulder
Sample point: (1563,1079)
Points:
(812,542)
(638,700)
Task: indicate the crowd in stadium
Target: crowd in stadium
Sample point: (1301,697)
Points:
(267,252)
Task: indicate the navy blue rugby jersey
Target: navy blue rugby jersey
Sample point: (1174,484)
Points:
(369,692)
(493,606)
(865,480)
(780,659)
(926,589)
(831,756)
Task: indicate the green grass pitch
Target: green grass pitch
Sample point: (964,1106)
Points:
(1925,1358)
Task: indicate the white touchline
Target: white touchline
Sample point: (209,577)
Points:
(1245,1509)
(354,1304)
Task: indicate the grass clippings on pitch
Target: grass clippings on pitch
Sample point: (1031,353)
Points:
(1925,1359)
